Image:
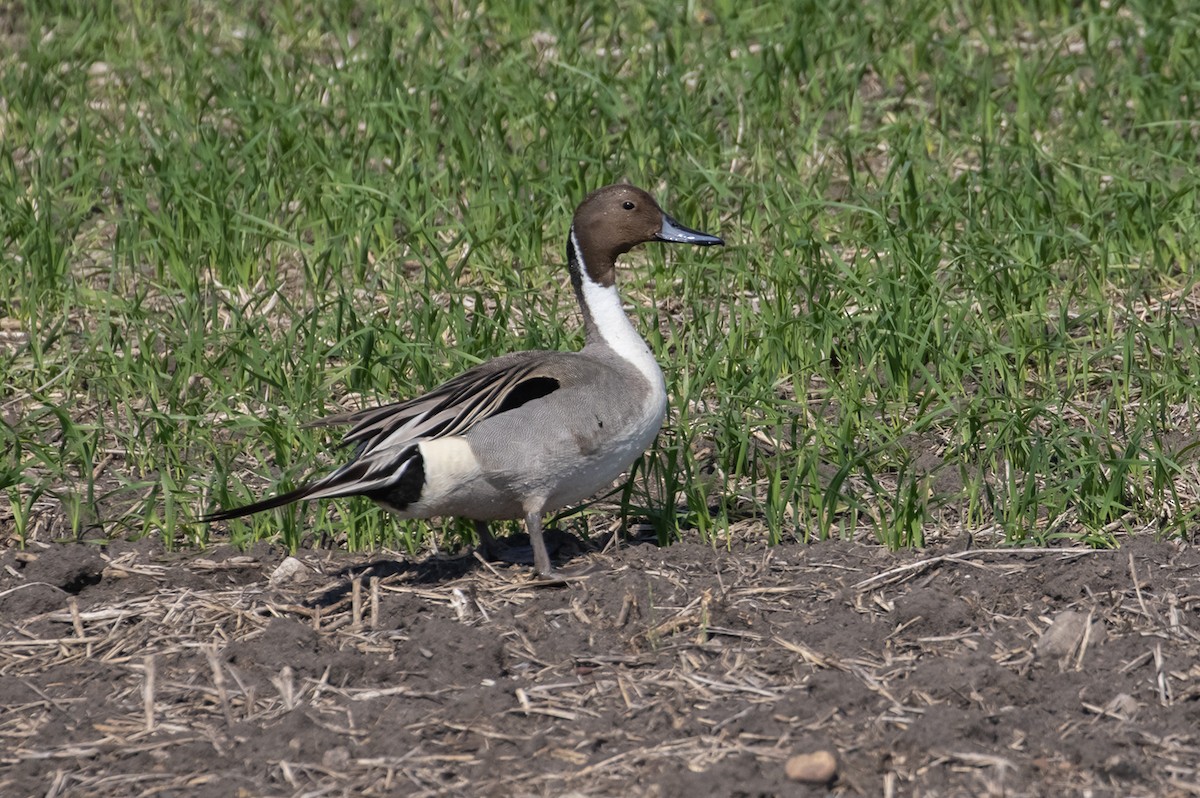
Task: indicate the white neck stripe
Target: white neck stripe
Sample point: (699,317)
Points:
(578,252)
(613,326)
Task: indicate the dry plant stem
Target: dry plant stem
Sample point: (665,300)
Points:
(150,674)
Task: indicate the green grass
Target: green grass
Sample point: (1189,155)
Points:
(959,294)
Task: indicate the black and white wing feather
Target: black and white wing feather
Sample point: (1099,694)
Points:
(387,460)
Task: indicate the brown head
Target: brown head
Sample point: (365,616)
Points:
(613,220)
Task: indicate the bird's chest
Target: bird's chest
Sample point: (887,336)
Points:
(618,435)
(600,446)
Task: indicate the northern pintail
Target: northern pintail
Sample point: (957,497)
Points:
(528,432)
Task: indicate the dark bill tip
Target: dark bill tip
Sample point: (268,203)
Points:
(676,233)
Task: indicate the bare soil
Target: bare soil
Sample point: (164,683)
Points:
(680,671)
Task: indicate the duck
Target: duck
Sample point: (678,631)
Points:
(526,433)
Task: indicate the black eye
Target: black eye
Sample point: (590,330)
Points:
(627,205)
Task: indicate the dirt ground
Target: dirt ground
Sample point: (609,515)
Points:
(680,671)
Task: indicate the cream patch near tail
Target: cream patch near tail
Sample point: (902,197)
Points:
(450,466)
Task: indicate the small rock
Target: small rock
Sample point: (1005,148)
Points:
(1060,639)
(290,570)
(1123,704)
(337,759)
(818,767)
(1065,634)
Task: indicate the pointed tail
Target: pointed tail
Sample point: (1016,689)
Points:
(270,503)
(396,480)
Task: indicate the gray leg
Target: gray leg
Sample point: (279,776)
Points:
(541,557)
(487,541)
